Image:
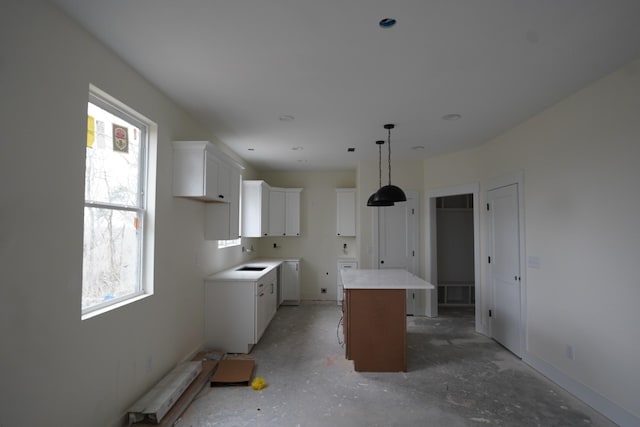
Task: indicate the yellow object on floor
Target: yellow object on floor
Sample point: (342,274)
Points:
(258,383)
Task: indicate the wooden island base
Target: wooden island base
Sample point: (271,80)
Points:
(375,329)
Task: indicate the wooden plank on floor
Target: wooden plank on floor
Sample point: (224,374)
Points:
(181,405)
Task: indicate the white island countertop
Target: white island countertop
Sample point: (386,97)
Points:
(382,279)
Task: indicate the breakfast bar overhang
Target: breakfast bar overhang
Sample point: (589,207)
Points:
(374,317)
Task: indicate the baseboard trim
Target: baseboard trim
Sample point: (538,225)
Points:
(615,413)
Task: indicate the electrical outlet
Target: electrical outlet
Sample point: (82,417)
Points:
(323,290)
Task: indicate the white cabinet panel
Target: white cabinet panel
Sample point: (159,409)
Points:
(255,208)
(222,220)
(284,211)
(346,211)
(290,282)
(230,316)
(277,211)
(238,312)
(270,211)
(292,212)
(201,171)
(344,264)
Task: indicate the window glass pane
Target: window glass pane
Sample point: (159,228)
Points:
(113,163)
(228,243)
(112,253)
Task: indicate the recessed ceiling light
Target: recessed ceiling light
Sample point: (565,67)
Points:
(451,117)
(387,23)
(286,118)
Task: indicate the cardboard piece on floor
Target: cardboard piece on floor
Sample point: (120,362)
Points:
(232,372)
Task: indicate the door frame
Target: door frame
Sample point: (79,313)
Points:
(431,297)
(492,184)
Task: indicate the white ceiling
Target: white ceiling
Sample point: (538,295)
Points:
(240,65)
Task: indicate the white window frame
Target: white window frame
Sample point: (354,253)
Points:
(146,207)
(229,243)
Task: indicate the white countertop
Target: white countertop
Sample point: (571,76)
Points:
(382,279)
(232,274)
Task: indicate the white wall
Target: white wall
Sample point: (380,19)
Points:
(580,160)
(318,244)
(54,368)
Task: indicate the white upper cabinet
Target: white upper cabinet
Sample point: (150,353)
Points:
(277,199)
(222,220)
(202,171)
(292,212)
(346,211)
(255,208)
(284,211)
(269,211)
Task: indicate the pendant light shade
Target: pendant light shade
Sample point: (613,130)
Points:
(371,201)
(389,193)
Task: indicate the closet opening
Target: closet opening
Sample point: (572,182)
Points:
(455,254)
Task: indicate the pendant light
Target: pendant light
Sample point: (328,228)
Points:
(389,193)
(371,202)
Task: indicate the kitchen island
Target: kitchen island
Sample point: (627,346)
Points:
(374,317)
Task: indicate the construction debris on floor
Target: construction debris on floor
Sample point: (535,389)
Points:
(166,401)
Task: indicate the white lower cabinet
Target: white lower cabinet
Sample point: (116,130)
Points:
(349,264)
(290,282)
(238,312)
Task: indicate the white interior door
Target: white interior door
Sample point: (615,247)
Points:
(504,252)
(397,241)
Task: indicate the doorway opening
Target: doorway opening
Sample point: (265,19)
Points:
(465,291)
(455,253)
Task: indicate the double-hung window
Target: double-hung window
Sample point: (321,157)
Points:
(116,215)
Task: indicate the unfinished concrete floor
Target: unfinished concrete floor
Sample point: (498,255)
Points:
(455,377)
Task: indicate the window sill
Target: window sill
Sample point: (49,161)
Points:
(114,306)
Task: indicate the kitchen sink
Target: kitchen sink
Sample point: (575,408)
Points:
(251,268)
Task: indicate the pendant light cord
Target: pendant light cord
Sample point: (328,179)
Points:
(389,127)
(379,165)
(389,148)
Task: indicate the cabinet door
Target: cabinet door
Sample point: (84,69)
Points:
(292,213)
(290,286)
(222,220)
(255,208)
(277,212)
(261,313)
(272,289)
(234,204)
(346,211)
(211,177)
(217,221)
(224,181)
